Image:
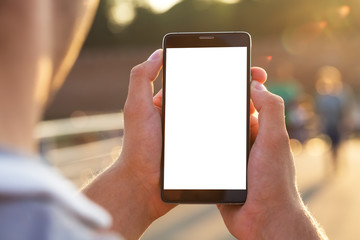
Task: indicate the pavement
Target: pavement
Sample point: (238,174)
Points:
(332,198)
(336,205)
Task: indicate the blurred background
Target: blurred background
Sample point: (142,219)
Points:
(310,50)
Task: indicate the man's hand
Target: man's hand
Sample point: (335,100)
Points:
(143,131)
(130,188)
(273,209)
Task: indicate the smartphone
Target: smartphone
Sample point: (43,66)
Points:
(205,114)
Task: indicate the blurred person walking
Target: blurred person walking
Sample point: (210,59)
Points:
(333,104)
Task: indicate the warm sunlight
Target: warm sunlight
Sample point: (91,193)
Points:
(344,11)
(160,6)
(318,146)
(229,1)
(121,12)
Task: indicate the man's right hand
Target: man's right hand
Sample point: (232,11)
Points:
(273,209)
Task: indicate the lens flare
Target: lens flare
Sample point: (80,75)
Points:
(322,24)
(344,11)
(263,61)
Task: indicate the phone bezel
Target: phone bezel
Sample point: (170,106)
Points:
(205,39)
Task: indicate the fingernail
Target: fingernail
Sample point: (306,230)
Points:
(257,86)
(156,55)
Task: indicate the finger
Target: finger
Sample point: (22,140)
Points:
(157,99)
(271,110)
(252,108)
(258,74)
(254,128)
(141,78)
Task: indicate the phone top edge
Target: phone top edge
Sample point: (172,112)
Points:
(190,38)
(205,33)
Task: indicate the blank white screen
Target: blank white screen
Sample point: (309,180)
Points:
(205,118)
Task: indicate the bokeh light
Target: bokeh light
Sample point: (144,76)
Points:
(121,12)
(329,81)
(344,11)
(160,6)
(318,146)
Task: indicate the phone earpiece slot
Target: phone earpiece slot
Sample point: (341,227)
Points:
(206,37)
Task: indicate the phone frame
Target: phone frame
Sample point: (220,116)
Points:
(205,39)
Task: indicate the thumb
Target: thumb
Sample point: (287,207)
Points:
(141,78)
(271,110)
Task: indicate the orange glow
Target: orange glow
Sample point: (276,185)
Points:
(269,58)
(322,24)
(344,11)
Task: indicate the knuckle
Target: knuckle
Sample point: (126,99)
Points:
(280,100)
(137,71)
(276,103)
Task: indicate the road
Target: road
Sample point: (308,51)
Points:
(333,199)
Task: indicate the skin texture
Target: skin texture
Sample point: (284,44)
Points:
(35,59)
(273,200)
(135,208)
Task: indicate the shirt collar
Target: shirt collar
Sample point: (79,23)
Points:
(22,176)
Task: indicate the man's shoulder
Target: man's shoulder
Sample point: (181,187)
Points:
(41,218)
(36,202)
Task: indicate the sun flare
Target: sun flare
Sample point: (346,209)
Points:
(160,6)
